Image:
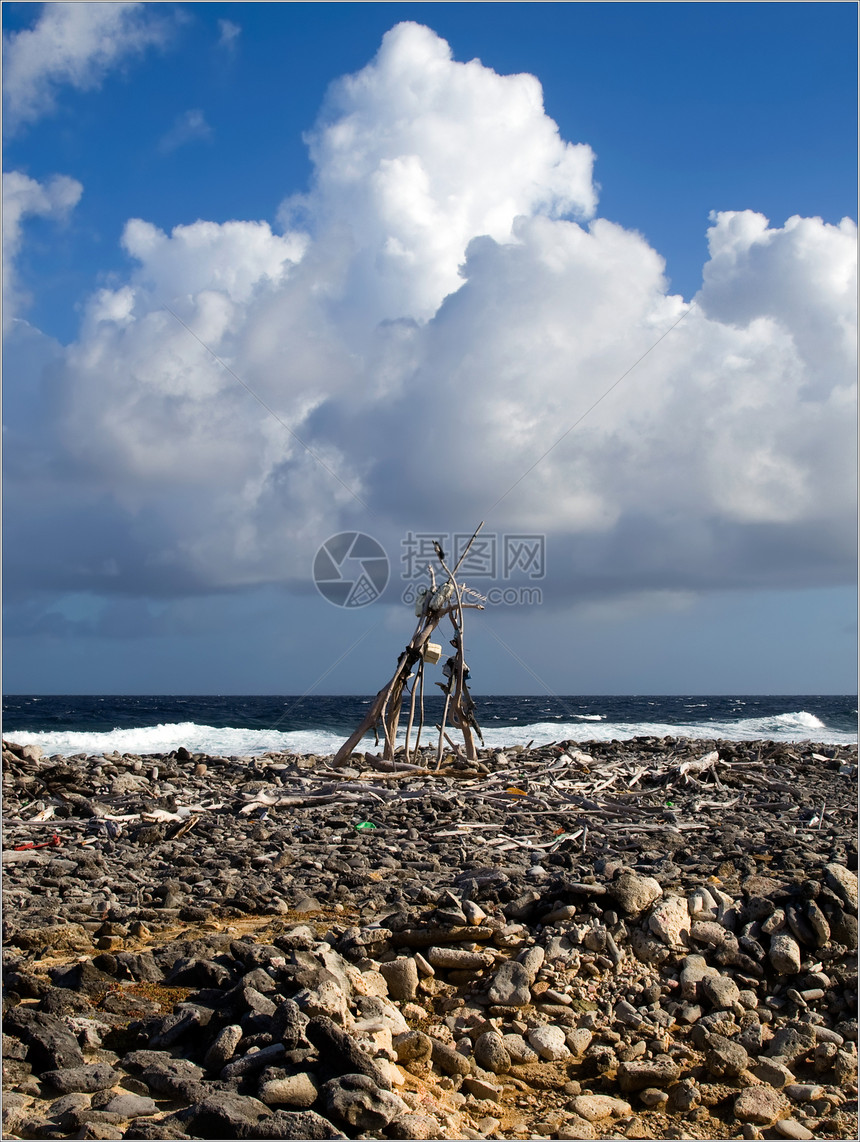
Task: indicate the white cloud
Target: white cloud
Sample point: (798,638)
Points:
(447,316)
(228,34)
(74,44)
(24,197)
(187,127)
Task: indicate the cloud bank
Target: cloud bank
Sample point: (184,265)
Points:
(438,309)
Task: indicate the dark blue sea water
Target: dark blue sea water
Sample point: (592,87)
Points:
(244,725)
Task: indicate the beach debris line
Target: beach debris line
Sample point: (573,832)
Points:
(447,600)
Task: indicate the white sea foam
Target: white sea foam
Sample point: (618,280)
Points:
(233,742)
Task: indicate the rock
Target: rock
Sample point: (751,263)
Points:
(843,882)
(358,1101)
(576,1127)
(224,1114)
(791,1043)
(458,959)
(578,1040)
(131,1106)
(296,1124)
(653,1098)
(774,1073)
(295,1090)
(633,892)
(490,1053)
(401,976)
(328,1000)
(414,1050)
(339,1050)
(635,1074)
(669,920)
(784,954)
(223,1048)
(725,1058)
(449,1060)
(480,1088)
(519,1050)
(549,1042)
(720,990)
(511,986)
(89,1077)
(593,1107)
(684,1096)
(760,1105)
(51,1045)
(788,1128)
(414,1125)
(532,961)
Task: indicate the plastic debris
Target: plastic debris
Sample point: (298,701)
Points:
(51,844)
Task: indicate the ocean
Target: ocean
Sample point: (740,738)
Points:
(249,725)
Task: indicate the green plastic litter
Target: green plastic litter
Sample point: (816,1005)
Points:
(670,804)
(365,825)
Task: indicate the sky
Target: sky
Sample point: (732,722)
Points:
(279,273)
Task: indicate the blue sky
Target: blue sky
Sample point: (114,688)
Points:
(428,273)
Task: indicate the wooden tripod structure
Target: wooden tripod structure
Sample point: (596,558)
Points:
(436,604)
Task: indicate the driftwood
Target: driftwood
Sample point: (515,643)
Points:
(444,601)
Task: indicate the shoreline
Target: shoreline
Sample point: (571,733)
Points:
(574,855)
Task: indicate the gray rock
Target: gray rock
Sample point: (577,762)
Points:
(511,986)
(90,1078)
(594,1107)
(633,892)
(670,922)
(414,1050)
(519,1050)
(784,954)
(131,1106)
(724,1057)
(684,1096)
(843,882)
(223,1048)
(51,1045)
(449,1060)
(760,1105)
(720,990)
(491,1053)
(457,959)
(639,1074)
(340,1051)
(225,1115)
(295,1090)
(549,1042)
(359,1102)
(401,976)
(791,1043)
(297,1124)
(532,961)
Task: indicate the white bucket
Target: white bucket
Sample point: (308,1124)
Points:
(432,652)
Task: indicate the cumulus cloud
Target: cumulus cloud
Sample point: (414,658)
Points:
(25,197)
(432,319)
(70,44)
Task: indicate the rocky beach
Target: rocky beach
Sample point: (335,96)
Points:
(652,938)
